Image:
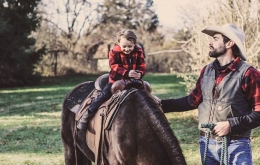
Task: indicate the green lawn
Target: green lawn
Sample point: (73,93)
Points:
(30,120)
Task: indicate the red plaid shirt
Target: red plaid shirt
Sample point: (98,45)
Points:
(121,63)
(250,85)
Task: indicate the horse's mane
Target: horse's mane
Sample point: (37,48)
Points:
(151,108)
(160,124)
(147,99)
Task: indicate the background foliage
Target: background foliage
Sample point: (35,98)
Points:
(242,13)
(18,54)
(75,34)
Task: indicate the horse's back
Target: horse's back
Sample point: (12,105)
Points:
(132,140)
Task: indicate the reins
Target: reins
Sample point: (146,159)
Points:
(224,149)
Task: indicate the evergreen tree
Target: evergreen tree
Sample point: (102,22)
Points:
(18,19)
(133,14)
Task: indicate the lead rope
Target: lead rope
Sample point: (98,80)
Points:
(224,149)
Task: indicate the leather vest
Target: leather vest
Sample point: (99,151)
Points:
(229,100)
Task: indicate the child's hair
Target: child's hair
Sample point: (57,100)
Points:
(128,34)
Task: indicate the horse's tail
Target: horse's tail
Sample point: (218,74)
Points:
(160,125)
(72,155)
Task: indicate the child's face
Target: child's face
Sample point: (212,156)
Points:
(126,46)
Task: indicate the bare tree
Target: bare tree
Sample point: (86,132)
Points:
(81,26)
(243,13)
(64,24)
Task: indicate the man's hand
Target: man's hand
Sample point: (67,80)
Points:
(134,74)
(221,128)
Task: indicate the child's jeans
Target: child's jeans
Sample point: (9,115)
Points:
(104,95)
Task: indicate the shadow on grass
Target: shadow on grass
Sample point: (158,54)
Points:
(28,103)
(38,139)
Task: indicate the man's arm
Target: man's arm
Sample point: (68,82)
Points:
(244,123)
(176,105)
(186,103)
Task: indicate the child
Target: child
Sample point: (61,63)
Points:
(126,60)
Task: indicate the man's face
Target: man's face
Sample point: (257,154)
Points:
(217,46)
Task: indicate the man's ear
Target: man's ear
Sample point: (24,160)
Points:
(229,44)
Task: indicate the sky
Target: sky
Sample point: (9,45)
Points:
(167,11)
(170,12)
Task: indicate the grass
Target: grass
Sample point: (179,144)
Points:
(30,120)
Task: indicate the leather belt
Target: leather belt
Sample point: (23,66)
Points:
(219,138)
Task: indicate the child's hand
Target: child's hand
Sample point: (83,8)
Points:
(134,74)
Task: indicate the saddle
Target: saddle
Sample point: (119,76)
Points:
(81,106)
(79,101)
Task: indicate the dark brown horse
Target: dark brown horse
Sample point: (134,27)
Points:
(139,135)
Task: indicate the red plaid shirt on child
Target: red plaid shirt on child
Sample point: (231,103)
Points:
(121,63)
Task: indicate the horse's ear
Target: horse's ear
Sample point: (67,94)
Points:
(147,86)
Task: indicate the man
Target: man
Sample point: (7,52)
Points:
(227,94)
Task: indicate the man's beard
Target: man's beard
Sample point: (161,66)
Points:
(215,54)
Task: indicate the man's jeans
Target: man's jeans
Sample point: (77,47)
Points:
(239,151)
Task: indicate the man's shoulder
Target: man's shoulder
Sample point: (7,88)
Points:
(253,70)
(207,66)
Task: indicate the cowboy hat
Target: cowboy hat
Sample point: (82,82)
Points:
(232,32)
